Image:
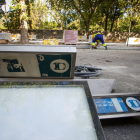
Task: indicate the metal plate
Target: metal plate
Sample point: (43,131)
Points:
(37,62)
(48,110)
(117,105)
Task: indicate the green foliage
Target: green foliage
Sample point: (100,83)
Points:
(61,13)
(75,25)
(18,6)
(49,25)
(39,14)
(124,24)
(2,24)
(97,15)
(14,19)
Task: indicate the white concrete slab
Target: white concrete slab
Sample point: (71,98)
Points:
(82,38)
(97,86)
(133,41)
(32,37)
(5,36)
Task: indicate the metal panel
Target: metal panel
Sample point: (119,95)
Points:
(117,105)
(96,86)
(48,110)
(38,62)
(38,48)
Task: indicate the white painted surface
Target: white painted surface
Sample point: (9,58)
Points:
(60,40)
(117,105)
(45,113)
(90,38)
(5,36)
(16,37)
(32,37)
(133,41)
(133,103)
(82,38)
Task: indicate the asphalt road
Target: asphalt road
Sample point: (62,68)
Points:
(124,66)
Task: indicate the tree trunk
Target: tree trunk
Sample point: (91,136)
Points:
(24,33)
(29,15)
(23,25)
(129,27)
(129,33)
(106,21)
(61,26)
(116,28)
(112,23)
(87,30)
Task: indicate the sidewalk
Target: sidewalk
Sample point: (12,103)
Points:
(111,46)
(86,45)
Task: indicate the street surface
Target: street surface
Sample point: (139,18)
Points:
(124,66)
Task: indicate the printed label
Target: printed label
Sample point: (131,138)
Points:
(13,65)
(59,66)
(133,103)
(110,105)
(54,65)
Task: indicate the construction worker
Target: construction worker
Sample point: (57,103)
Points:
(98,38)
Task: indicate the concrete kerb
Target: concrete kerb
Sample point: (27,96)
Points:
(86,45)
(111,46)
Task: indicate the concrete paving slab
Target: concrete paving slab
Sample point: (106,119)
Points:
(97,86)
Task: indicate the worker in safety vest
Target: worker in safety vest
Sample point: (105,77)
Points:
(98,38)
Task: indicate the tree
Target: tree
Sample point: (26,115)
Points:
(112,11)
(2,24)
(61,13)
(29,12)
(23,22)
(21,6)
(117,9)
(14,19)
(85,9)
(130,18)
(74,25)
(39,14)
(52,25)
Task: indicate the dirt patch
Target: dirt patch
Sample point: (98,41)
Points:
(4,41)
